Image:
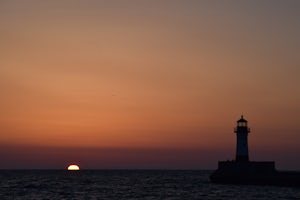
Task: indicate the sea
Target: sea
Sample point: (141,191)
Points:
(129,185)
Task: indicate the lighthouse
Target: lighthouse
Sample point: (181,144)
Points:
(243,171)
(242,131)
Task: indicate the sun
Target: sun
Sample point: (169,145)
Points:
(73,168)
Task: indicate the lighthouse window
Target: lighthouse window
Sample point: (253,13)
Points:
(242,124)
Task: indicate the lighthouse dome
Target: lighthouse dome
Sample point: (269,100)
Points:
(242,119)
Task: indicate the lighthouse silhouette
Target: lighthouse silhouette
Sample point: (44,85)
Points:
(243,171)
(242,130)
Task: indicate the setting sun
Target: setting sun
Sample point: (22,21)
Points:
(73,167)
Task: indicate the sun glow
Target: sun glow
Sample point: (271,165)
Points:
(73,167)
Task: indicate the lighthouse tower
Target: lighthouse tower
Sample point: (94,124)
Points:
(242,131)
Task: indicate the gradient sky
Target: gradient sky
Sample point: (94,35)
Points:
(147,84)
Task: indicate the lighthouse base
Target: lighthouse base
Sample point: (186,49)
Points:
(242,158)
(258,173)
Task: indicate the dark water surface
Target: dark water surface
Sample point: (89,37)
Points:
(129,184)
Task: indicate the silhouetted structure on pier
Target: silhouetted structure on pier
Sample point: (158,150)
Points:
(243,171)
(242,131)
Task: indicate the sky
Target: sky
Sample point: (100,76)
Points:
(128,84)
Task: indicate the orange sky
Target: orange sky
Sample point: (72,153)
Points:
(145,81)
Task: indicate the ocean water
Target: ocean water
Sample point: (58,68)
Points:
(129,184)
